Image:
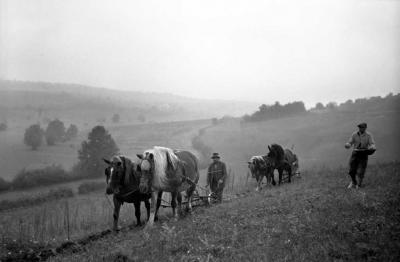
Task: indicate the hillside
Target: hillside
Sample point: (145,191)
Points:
(286,223)
(317,137)
(38,101)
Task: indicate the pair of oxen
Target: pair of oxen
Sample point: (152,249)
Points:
(158,170)
(277,158)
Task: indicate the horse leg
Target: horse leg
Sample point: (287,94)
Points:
(259,179)
(179,199)
(272,176)
(117,207)
(136,203)
(173,204)
(189,194)
(147,205)
(153,208)
(289,170)
(159,198)
(280,171)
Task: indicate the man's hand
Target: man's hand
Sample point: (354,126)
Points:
(347,145)
(220,181)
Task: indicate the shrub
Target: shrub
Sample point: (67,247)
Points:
(55,132)
(3,127)
(88,187)
(72,132)
(4,185)
(33,136)
(40,177)
(115,118)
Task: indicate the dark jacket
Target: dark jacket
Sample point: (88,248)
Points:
(216,172)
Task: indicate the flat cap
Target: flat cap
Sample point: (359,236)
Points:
(362,125)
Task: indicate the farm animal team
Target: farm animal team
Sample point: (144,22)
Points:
(162,169)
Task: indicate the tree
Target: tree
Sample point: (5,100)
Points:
(115,118)
(33,136)
(99,145)
(319,106)
(3,127)
(55,132)
(331,105)
(72,132)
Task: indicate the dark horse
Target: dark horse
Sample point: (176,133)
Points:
(174,171)
(123,178)
(276,159)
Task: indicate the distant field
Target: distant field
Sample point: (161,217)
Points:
(318,138)
(131,139)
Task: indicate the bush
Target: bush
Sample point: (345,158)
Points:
(33,136)
(115,118)
(41,177)
(3,127)
(55,132)
(53,194)
(88,187)
(72,132)
(4,185)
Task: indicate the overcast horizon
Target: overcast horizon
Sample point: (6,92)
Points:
(313,51)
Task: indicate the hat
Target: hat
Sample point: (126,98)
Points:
(215,155)
(362,125)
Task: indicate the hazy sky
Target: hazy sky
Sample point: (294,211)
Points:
(247,50)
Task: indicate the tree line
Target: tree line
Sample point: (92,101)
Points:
(266,112)
(54,133)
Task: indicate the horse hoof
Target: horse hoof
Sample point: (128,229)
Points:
(138,225)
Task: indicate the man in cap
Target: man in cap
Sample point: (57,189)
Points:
(363,145)
(216,176)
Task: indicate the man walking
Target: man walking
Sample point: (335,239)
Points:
(363,145)
(216,177)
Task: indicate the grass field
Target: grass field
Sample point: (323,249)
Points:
(131,139)
(318,138)
(313,219)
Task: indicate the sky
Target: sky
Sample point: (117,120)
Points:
(262,51)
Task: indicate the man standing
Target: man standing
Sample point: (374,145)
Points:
(363,145)
(216,177)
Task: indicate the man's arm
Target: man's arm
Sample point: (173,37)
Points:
(350,142)
(371,142)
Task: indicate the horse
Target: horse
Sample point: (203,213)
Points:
(293,161)
(123,180)
(174,171)
(276,159)
(259,168)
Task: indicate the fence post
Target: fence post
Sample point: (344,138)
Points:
(67,217)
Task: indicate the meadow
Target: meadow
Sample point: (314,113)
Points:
(290,217)
(315,218)
(317,138)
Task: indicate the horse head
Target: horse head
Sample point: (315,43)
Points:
(115,173)
(146,168)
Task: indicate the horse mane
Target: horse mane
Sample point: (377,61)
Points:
(162,157)
(129,167)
